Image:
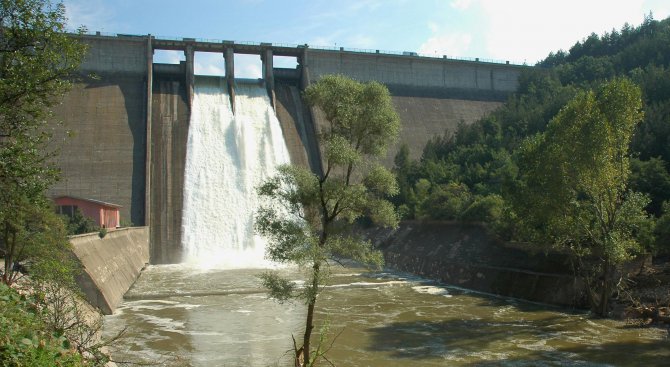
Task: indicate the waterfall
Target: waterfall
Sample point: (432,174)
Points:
(227,157)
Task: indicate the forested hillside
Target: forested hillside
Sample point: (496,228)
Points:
(474,173)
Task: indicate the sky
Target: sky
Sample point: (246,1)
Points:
(519,31)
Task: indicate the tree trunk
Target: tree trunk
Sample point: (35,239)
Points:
(10,241)
(605,291)
(7,269)
(309,324)
(308,333)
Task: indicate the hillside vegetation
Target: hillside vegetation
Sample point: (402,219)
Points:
(475,173)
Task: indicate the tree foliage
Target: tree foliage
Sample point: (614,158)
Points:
(307,217)
(572,190)
(37,60)
(44,325)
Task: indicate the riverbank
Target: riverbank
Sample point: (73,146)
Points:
(469,256)
(647,300)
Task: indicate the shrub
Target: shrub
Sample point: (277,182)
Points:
(484,209)
(446,202)
(26,341)
(79,224)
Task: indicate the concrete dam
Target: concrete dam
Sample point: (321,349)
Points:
(129,117)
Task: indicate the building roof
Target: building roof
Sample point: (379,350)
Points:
(99,202)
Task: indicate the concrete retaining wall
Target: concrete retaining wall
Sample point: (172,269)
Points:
(466,255)
(110,264)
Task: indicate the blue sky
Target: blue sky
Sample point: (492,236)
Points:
(515,30)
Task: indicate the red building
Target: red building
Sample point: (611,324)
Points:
(105,215)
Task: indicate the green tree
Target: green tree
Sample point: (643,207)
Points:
(572,190)
(37,60)
(308,215)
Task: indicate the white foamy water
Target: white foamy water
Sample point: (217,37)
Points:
(227,157)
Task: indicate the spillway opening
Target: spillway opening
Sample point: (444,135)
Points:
(285,62)
(248,66)
(209,63)
(228,155)
(168,56)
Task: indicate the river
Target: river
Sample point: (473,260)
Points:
(175,315)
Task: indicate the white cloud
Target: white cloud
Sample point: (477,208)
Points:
(321,41)
(168,56)
(659,8)
(360,41)
(209,63)
(92,14)
(450,44)
(461,4)
(367,5)
(329,39)
(527,30)
(252,71)
(208,69)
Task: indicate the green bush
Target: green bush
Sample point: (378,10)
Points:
(446,202)
(25,340)
(79,224)
(484,209)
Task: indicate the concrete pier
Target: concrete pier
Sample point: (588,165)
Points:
(229,57)
(189,52)
(268,75)
(148,99)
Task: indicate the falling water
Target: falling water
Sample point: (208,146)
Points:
(227,157)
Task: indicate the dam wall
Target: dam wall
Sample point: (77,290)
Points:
(129,117)
(110,264)
(102,139)
(431,95)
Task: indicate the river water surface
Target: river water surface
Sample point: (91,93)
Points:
(178,316)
